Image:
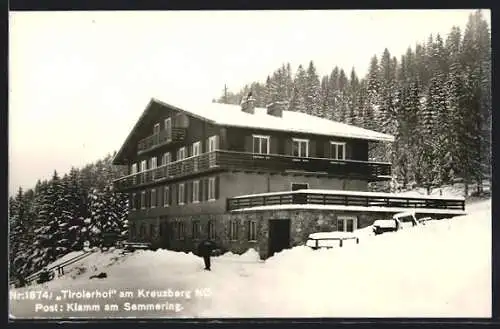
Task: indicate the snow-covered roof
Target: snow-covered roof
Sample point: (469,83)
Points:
(355,193)
(350,208)
(232,115)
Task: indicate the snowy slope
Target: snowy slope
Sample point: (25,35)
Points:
(442,269)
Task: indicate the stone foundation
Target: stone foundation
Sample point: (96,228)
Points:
(302,223)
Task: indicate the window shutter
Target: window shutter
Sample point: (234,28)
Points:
(288,146)
(327,150)
(186,194)
(217,184)
(200,192)
(348,151)
(205,189)
(312,148)
(273,148)
(207,144)
(223,139)
(173,194)
(248,144)
(189,194)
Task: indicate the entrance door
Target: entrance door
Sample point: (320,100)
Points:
(279,235)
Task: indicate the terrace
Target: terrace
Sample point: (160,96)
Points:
(243,161)
(346,200)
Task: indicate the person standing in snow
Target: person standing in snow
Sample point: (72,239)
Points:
(205,249)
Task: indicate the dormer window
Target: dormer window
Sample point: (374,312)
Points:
(337,150)
(260,144)
(300,147)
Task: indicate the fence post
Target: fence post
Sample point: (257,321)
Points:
(340,242)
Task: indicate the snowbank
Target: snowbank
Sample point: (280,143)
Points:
(441,269)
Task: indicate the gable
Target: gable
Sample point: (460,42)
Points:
(155,112)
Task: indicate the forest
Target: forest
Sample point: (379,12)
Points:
(435,99)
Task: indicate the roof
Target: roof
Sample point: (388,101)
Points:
(232,115)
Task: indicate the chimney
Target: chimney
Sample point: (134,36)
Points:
(276,108)
(248,104)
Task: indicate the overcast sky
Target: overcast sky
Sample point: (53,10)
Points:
(78,81)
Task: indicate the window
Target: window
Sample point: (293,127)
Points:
(133,168)
(142,231)
(195,151)
(166,158)
(211,188)
(233,230)
(168,127)
(153,198)
(166,196)
(212,143)
(196,229)
(196,191)
(180,196)
(260,144)
(347,223)
(143,165)
(143,200)
(300,147)
(337,150)
(299,186)
(252,231)
(182,231)
(156,129)
(211,230)
(133,201)
(181,153)
(153,165)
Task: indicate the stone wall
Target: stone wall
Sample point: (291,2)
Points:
(302,223)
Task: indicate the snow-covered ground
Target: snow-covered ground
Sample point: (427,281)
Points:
(441,269)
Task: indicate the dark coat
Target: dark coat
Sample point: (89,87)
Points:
(206,247)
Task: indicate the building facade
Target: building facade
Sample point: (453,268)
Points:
(186,163)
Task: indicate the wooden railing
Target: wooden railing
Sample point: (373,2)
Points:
(161,138)
(342,199)
(59,268)
(282,163)
(231,160)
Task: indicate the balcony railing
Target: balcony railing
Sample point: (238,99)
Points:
(230,160)
(342,198)
(161,138)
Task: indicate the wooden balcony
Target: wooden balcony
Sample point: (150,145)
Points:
(241,161)
(149,143)
(344,198)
